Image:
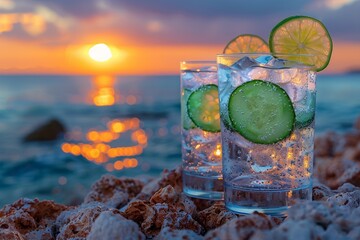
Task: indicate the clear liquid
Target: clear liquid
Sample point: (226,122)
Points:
(203,186)
(269,201)
(202,166)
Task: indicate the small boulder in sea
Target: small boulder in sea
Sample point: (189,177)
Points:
(48,131)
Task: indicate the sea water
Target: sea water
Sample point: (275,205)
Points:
(42,170)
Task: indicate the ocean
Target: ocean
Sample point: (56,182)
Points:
(123,125)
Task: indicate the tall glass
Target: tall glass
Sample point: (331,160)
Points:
(267,108)
(200,121)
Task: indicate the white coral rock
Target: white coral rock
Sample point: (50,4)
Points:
(109,226)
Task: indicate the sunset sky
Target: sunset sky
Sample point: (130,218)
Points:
(152,37)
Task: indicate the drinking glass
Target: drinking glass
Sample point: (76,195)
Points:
(267,108)
(200,123)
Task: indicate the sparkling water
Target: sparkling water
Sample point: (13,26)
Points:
(201,150)
(268,178)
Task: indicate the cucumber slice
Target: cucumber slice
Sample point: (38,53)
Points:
(186,122)
(305,114)
(203,108)
(261,112)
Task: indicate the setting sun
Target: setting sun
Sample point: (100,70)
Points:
(100,52)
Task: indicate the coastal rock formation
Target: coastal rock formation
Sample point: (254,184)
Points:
(338,158)
(166,209)
(114,192)
(48,131)
(29,219)
(110,226)
(128,208)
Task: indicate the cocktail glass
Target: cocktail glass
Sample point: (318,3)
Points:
(200,122)
(267,108)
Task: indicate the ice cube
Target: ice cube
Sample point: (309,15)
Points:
(212,68)
(206,77)
(187,75)
(258,73)
(305,108)
(311,81)
(224,73)
(238,77)
(295,92)
(298,86)
(188,79)
(277,63)
(264,60)
(281,76)
(245,62)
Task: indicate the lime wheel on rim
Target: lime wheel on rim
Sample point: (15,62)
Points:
(246,43)
(302,35)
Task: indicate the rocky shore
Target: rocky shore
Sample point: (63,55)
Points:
(130,208)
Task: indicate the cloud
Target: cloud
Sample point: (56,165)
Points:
(212,8)
(79,8)
(173,22)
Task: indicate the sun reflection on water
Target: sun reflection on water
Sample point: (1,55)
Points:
(118,143)
(100,146)
(104,95)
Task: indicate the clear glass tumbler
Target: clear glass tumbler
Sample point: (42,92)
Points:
(200,122)
(267,108)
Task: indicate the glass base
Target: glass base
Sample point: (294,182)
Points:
(210,188)
(273,202)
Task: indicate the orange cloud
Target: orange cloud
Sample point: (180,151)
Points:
(18,57)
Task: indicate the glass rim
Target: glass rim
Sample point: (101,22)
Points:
(264,53)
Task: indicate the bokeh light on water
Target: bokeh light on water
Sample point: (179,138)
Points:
(102,145)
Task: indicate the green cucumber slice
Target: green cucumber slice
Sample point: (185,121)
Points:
(305,113)
(203,108)
(261,112)
(186,122)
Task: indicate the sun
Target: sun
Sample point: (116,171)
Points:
(100,52)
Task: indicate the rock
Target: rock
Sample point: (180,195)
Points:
(114,192)
(320,192)
(242,227)
(77,223)
(110,226)
(317,220)
(31,219)
(166,208)
(48,131)
(215,216)
(329,145)
(334,172)
(7,234)
(174,234)
(349,199)
(168,177)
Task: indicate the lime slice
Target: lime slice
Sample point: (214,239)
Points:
(302,35)
(203,108)
(186,122)
(261,112)
(246,43)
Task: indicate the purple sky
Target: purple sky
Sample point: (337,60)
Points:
(174,22)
